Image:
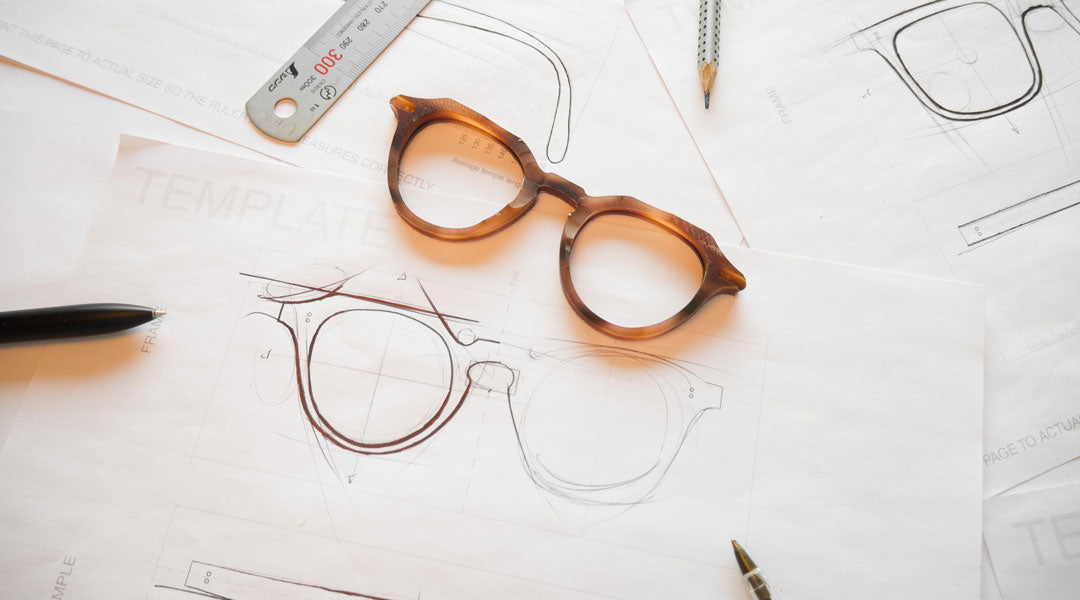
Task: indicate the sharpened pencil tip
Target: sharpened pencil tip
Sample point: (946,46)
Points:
(706,100)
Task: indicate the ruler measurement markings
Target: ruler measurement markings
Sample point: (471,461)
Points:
(325,69)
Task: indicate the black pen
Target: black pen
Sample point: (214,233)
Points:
(752,575)
(72,321)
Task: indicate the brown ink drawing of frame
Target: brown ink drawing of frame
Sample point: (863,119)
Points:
(719,276)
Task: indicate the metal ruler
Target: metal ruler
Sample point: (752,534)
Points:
(309,83)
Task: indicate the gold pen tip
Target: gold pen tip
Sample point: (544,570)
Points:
(746,564)
(158,314)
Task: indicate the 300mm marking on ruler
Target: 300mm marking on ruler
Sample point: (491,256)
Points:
(313,79)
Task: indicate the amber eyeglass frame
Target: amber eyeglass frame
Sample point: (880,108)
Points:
(719,276)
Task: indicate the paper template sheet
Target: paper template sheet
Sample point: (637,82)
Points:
(54,165)
(572,79)
(1034,542)
(1066,474)
(337,402)
(941,139)
(1034,545)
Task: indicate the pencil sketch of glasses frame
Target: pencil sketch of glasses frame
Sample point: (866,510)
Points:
(884,37)
(719,276)
(676,387)
(288,295)
(685,396)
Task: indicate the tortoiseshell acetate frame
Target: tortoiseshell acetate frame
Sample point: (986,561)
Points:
(719,276)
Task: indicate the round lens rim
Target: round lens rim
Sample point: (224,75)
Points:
(718,275)
(413,114)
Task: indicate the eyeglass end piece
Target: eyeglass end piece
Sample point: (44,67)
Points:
(401,102)
(736,278)
(732,275)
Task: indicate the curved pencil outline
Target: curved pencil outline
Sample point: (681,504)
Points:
(377,447)
(558,75)
(649,479)
(895,60)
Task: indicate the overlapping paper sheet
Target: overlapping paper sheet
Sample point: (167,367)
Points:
(572,79)
(1034,539)
(54,165)
(829,417)
(1031,538)
(957,157)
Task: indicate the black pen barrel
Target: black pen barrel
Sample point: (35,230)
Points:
(71,321)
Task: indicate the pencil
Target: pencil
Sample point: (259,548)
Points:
(708,46)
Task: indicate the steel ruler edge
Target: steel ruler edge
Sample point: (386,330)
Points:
(318,74)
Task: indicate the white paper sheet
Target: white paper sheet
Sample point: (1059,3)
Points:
(990,589)
(1034,542)
(1025,499)
(59,148)
(1066,474)
(829,417)
(62,141)
(612,129)
(823,150)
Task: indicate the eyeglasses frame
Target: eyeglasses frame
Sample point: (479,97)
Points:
(719,276)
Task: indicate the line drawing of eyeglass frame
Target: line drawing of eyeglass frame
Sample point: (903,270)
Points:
(884,38)
(686,396)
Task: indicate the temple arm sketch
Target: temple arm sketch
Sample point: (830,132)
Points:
(206,580)
(558,140)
